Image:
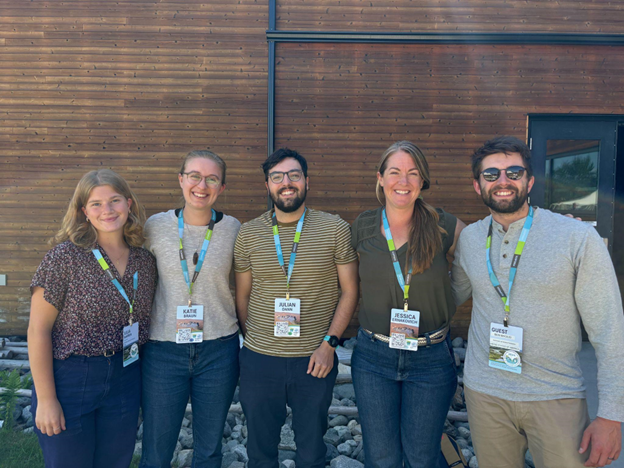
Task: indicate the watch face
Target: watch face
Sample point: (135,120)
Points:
(333,341)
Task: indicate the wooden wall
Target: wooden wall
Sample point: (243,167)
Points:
(342,105)
(135,84)
(519,16)
(131,85)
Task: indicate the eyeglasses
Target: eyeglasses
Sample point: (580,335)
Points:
(195,178)
(294,176)
(512,173)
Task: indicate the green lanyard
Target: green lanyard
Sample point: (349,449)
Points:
(190,283)
(293,253)
(404,283)
(115,281)
(514,262)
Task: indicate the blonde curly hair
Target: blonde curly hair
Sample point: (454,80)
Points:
(79,231)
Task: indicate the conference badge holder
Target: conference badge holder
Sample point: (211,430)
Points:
(130,343)
(506,348)
(404,329)
(287,317)
(190,324)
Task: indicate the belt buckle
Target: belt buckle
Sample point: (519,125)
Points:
(108,354)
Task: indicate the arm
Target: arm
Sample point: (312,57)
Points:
(243,292)
(322,360)
(599,303)
(50,419)
(460,282)
(459,227)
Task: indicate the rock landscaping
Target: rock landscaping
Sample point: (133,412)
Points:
(343,439)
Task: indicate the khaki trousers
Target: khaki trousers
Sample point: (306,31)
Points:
(502,431)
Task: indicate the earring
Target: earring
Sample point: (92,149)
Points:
(88,221)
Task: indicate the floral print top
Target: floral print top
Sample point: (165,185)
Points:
(92,313)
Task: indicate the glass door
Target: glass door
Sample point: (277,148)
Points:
(574,167)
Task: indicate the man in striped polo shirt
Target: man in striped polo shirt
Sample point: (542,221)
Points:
(287,261)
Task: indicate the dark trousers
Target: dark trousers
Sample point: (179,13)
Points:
(100,400)
(267,385)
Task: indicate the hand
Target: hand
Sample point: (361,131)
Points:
(569,215)
(605,437)
(50,419)
(321,361)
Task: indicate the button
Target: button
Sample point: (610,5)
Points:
(504,255)
(506,242)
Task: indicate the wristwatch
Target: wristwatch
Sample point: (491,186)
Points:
(333,341)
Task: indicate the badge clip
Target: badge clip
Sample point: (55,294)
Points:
(506,321)
(405,306)
(287,295)
(189,302)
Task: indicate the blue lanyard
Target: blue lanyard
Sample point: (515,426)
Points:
(514,262)
(202,254)
(404,283)
(293,253)
(135,281)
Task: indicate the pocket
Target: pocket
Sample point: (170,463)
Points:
(60,368)
(228,337)
(451,353)
(70,380)
(364,335)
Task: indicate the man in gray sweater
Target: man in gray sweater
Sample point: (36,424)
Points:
(534,275)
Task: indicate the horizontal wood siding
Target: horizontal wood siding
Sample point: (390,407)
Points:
(519,16)
(135,84)
(130,85)
(342,105)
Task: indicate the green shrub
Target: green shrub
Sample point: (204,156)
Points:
(12,383)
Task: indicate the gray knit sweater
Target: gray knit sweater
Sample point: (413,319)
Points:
(565,275)
(212,287)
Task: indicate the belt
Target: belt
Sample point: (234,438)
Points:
(428,339)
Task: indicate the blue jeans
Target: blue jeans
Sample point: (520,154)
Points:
(208,373)
(100,400)
(403,398)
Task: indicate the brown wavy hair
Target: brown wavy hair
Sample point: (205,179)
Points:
(425,236)
(79,231)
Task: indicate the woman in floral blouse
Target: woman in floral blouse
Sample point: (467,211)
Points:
(91,298)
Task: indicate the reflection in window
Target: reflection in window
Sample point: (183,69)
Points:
(572,177)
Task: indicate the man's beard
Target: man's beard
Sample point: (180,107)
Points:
(292,204)
(505,206)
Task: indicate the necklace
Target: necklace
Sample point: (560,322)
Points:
(196,254)
(201,240)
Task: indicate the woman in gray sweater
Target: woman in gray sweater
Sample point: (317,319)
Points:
(193,347)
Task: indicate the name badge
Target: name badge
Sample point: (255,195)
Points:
(130,344)
(404,329)
(506,348)
(190,324)
(287,316)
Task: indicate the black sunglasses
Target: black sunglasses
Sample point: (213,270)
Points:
(512,173)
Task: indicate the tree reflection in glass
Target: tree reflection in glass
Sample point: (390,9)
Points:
(572,177)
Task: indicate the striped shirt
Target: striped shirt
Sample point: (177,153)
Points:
(325,242)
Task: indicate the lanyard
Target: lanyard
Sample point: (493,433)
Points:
(404,283)
(514,262)
(293,253)
(135,281)
(202,254)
